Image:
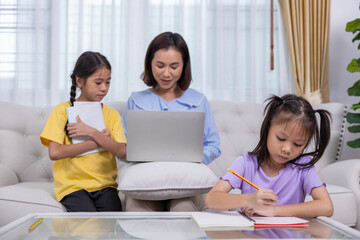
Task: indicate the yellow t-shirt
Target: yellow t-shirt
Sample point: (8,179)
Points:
(91,172)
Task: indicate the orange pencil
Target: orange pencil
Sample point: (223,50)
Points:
(243,179)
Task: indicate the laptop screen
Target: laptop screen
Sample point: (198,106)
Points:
(165,136)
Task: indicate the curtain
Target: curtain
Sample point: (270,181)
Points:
(307,27)
(229,43)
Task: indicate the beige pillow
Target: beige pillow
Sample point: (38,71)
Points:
(165,180)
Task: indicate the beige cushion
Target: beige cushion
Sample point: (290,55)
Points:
(27,197)
(165,180)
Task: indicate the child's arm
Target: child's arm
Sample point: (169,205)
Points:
(321,205)
(220,198)
(59,151)
(80,129)
(118,149)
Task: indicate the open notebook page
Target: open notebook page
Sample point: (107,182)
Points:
(235,219)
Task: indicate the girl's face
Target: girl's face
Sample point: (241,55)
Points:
(96,86)
(167,66)
(285,142)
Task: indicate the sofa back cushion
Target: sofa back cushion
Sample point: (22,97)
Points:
(239,127)
(20,147)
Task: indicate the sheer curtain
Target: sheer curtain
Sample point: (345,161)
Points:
(229,44)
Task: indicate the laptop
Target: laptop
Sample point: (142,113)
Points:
(164,136)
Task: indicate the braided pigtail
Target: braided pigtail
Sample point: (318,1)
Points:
(73,89)
(72,95)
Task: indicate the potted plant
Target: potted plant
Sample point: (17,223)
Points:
(354,66)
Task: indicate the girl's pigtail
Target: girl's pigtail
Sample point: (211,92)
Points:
(324,130)
(73,89)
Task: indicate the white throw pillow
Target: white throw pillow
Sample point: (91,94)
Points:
(165,180)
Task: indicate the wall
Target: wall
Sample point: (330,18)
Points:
(342,50)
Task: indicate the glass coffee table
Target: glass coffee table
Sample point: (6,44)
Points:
(155,225)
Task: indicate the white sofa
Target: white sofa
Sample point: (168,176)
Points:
(26,181)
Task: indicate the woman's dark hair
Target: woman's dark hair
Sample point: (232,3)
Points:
(289,108)
(86,64)
(168,40)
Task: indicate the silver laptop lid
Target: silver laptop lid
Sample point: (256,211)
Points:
(164,136)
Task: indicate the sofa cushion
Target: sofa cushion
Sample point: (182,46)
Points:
(238,125)
(23,198)
(165,180)
(20,147)
(7,176)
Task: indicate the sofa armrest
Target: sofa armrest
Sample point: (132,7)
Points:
(7,176)
(345,173)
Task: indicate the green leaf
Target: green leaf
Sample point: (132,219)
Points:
(355,89)
(353,117)
(357,37)
(354,66)
(354,129)
(355,106)
(356,30)
(353,25)
(354,144)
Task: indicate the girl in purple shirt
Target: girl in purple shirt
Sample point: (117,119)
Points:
(279,166)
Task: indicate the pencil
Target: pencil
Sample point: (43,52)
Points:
(35,224)
(244,179)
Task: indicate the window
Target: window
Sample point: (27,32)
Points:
(229,43)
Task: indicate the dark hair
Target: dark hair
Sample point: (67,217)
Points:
(294,108)
(168,40)
(86,64)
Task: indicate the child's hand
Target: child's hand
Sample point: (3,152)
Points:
(263,197)
(79,129)
(261,203)
(247,211)
(267,211)
(108,134)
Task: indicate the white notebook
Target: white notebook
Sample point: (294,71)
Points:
(91,114)
(220,219)
(236,219)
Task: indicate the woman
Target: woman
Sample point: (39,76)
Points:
(168,75)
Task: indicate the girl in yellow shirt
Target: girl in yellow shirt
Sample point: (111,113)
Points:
(86,183)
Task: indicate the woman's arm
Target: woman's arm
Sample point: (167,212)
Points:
(211,136)
(220,198)
(129,106)
(321,205)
